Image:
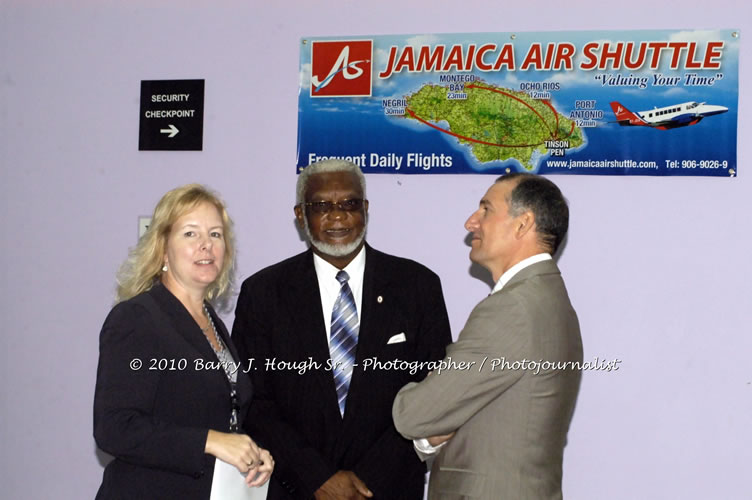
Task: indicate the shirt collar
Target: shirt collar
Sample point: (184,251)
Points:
(356,267)
(512,271)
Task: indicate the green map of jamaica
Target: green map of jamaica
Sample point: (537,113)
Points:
(497,123)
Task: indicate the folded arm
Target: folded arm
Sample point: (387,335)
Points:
(466,380)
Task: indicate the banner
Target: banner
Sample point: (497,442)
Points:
(611,102)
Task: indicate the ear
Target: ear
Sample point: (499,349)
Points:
(365,206)
(524,223)
(299,214)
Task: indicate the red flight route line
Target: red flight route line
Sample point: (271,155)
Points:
(412,113)
(553,136)
(556,114)
(471,86)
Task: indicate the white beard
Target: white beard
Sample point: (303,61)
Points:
(328,248)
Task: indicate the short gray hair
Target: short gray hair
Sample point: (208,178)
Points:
(327,166)
(544,199)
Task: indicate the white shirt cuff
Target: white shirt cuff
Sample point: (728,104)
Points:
(423,446)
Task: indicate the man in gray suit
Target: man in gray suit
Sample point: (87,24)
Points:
(498,407)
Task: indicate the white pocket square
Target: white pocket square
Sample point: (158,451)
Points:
(396,339)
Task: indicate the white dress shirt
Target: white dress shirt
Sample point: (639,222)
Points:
(329,286)
(512,271)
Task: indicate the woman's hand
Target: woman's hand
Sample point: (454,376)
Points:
(238,450)
(261,472)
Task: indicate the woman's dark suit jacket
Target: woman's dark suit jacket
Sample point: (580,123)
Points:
(154,419)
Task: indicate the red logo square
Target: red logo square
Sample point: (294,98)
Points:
(341,68)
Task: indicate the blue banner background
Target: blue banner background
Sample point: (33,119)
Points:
(357,127)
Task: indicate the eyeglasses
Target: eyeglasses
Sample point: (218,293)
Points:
(324,207)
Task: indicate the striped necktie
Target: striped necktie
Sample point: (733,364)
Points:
(344,339)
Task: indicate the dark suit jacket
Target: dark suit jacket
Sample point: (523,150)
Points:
(296,416)
(155,421)
(511,422)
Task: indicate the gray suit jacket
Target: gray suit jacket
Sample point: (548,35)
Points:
(511,409)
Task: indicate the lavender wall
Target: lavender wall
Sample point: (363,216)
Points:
(656,267)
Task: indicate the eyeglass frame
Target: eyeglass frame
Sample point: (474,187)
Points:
(331,204)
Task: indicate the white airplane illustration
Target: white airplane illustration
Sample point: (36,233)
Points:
(678,115)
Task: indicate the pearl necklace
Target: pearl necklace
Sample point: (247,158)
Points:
(216,334)
(210,326)
(227,369)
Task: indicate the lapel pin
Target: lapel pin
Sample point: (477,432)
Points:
(379,299)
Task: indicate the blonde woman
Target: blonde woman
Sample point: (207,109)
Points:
(170,395)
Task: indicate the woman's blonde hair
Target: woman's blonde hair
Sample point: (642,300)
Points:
(143,267)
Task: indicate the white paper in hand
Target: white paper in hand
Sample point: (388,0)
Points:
(229,484)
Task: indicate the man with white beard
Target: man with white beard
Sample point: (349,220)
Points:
(337,304)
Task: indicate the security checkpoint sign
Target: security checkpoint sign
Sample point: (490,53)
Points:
(172,115)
